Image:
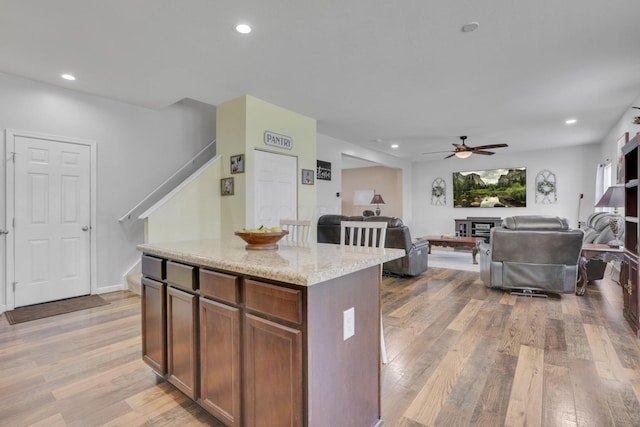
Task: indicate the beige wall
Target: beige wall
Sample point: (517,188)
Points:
(241,124)
(191,213)
(385,181)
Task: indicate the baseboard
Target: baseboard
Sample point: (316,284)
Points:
(112,288)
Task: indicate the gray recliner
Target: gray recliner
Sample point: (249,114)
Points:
(533,253)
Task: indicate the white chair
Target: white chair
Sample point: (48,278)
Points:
(358,233)
(370,234)
(299,231)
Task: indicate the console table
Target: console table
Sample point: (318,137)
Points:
(477,226)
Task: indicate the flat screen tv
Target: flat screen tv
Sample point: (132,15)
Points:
(491,188)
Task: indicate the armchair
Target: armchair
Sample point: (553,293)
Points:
(532,253)
(597,230)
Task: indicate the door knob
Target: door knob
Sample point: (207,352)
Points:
(4,231)
(85,228)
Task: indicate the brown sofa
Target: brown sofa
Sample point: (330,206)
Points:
(398,236)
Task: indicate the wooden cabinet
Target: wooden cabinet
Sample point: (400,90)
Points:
(154,325)
(272,355)
(273,374)
(154,314)
(631,207)
(264,353)
(220,385)
(182,341)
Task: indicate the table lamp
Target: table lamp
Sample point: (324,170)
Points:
(614,198)
(377,200)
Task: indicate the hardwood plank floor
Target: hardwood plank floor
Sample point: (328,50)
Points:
(459,355)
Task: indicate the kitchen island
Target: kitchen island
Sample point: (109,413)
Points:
(287,337)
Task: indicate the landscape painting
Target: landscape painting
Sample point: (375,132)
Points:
(492,188)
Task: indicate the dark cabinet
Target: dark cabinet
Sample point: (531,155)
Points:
(476,226)
(182,341)
(154,324)
(273,374)
(631,207)
(220,385)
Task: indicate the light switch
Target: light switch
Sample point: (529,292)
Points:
(349,323)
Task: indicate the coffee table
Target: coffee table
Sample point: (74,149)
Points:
(601,252)
(453,242)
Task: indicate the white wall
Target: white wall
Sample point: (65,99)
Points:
(574,167)
(331,150)
(609,146)
(137,149)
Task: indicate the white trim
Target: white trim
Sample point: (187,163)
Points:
(112,288)
(176,190)
(10,135)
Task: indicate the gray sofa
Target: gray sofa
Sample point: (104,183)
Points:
(532,253)
(398,236)
(596,230)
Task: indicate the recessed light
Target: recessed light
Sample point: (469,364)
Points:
(394,146)
(571,121)
(243,28)
(68,77)
(469,27)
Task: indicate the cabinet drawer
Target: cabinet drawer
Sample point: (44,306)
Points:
(153,267)
(277,301)
(219,285)
(181,275)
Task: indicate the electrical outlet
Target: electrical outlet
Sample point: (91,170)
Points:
(349,323)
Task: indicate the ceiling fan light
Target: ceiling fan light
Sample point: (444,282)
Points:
(463,154)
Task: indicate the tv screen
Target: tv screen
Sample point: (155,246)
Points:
(491,188)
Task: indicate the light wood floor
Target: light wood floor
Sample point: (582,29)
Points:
(460,355)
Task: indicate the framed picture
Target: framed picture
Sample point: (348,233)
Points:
(226,186)
(237,163)
(307,176)
(324,170)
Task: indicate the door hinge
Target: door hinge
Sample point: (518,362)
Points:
(13,157)
(14,287)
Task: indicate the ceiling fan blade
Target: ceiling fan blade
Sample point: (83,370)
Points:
(486,153)
(450,155)
(483,147)
(460,147)
(437,152)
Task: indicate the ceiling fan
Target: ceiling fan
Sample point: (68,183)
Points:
(463,150)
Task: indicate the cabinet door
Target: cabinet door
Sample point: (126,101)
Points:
(273,374)
(182,329)
(154,325)
(220,361)
(630,292)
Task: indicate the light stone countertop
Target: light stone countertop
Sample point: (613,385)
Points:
(299,264)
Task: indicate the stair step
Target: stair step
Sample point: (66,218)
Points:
(134,283)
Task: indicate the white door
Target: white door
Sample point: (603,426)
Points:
(52,212)
(276,190)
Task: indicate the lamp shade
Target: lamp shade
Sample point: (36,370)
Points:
(463,154)
(612,198)
(377,199)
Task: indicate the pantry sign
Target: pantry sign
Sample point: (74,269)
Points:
(276,140)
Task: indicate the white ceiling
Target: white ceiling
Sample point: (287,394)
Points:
(365,69)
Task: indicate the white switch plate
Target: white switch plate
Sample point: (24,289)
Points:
(349,323)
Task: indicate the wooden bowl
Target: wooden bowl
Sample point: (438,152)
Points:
(261,241)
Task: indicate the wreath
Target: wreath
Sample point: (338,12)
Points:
(437,191)
(546,187)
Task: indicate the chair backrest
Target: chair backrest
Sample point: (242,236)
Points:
(359,233)
(299,231)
